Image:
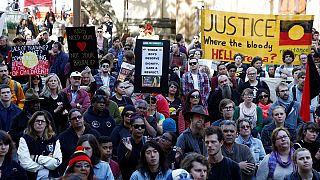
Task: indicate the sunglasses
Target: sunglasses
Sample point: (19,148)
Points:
(76,117)
(137,126)
(105,66)
(143,108)
(35,78)
(196,96)
(128,114)
(263,96)
(99,31)
(39,121)
(126,48)
(193,63)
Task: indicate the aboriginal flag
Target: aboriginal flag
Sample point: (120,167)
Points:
(311,89)
(295,32)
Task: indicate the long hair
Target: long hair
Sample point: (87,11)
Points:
(46,90)
(275,134)
(187,105)
(92,140)
(303,129)
(260,91)
(5,138)
(48,131)
(143,164)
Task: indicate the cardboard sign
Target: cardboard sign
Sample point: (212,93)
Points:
(29,60)
(152,65)
(82,45)
(225,33)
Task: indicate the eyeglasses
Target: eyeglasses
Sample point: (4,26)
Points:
(193,63)
(263,96)
(284,90)
(143,108)
(195,96)
(166,138)
(40,121)
(99,31)
(228,130)
(128,114)
(245,127)
(228,108)
(282,137)
(137,126)
(85,166)
(76,117)
(105,66)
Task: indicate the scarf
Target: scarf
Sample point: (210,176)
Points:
(275,159)
(284,103)
(265,109)
(250,113)
(248,142)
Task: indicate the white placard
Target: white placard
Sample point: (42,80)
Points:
(152,61)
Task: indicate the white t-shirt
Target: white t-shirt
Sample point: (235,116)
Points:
(195,81)
(105,80)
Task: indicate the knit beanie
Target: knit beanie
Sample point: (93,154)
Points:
(169,125)
(79,155)
(127,108)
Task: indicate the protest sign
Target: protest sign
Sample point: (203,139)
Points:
(225,33)
(125,70)
(29,60)
(151,69)
(82,45)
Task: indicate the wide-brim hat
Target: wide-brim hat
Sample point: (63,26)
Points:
(197,109)
(19,37)
(31,95)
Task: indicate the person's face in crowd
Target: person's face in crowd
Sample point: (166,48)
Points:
(248,97)
(197,55)
(142,109)
(310,135)
(152,103)
(116,43)
(55,48)
(76,120)
(245,129)
(279,115)
(99,33)
(194,64)
(263,98)
(99,106)
(4,74)
(252,75)
(282,140)
(106,150)
(196,39)
(175,48)
(257,65)
(3,42)
(224,81)
(304,161)
(198,171)
(303,58)
(20,42)
(45,36)
(232,72)
(6,94)
(173,89)
(312,52)
(222,70)
(288,59)
(34,106)
(53,83)
(120,89)
(138,128)
(212,144)
(130,41)
(40,124)
(271,70)
(238,60)
(126,117)
(295,75)
(75,81)
(82,168)
(229,133)
(85,80)
(316,36)
(24,22)
(227,111)
(105,68)
(152,156)
(4,148)
(197,121)
(36,80)
(29,39)
(87,148)
(166,141)
(195,98)
(301,81)
(283,92)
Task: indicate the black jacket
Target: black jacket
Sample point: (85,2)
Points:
(117,134)
(295,176)
(11,170)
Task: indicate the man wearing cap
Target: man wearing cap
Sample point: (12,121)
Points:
(78,98)
(191,139)
(8,110)
(104,78)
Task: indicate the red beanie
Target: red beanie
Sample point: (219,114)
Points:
(79,155)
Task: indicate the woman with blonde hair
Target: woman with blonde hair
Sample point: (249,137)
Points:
(55,101)
(39,150)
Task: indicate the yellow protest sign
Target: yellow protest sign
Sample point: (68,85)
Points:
(226,33)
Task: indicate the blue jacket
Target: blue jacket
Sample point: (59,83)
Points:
(137,175)
(99,81)
(7,115)
(256,148)
(102,171)
(58,66)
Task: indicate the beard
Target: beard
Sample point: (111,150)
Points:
(226,92)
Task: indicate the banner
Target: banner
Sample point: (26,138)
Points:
(82,45)
(29,60)
(226,33)
(151,66)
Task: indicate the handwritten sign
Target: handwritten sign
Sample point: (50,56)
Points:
(225,33)
(82,45)
(29,60)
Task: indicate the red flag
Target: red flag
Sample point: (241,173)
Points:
(311,89)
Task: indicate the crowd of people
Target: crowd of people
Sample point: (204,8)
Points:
(90,125)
